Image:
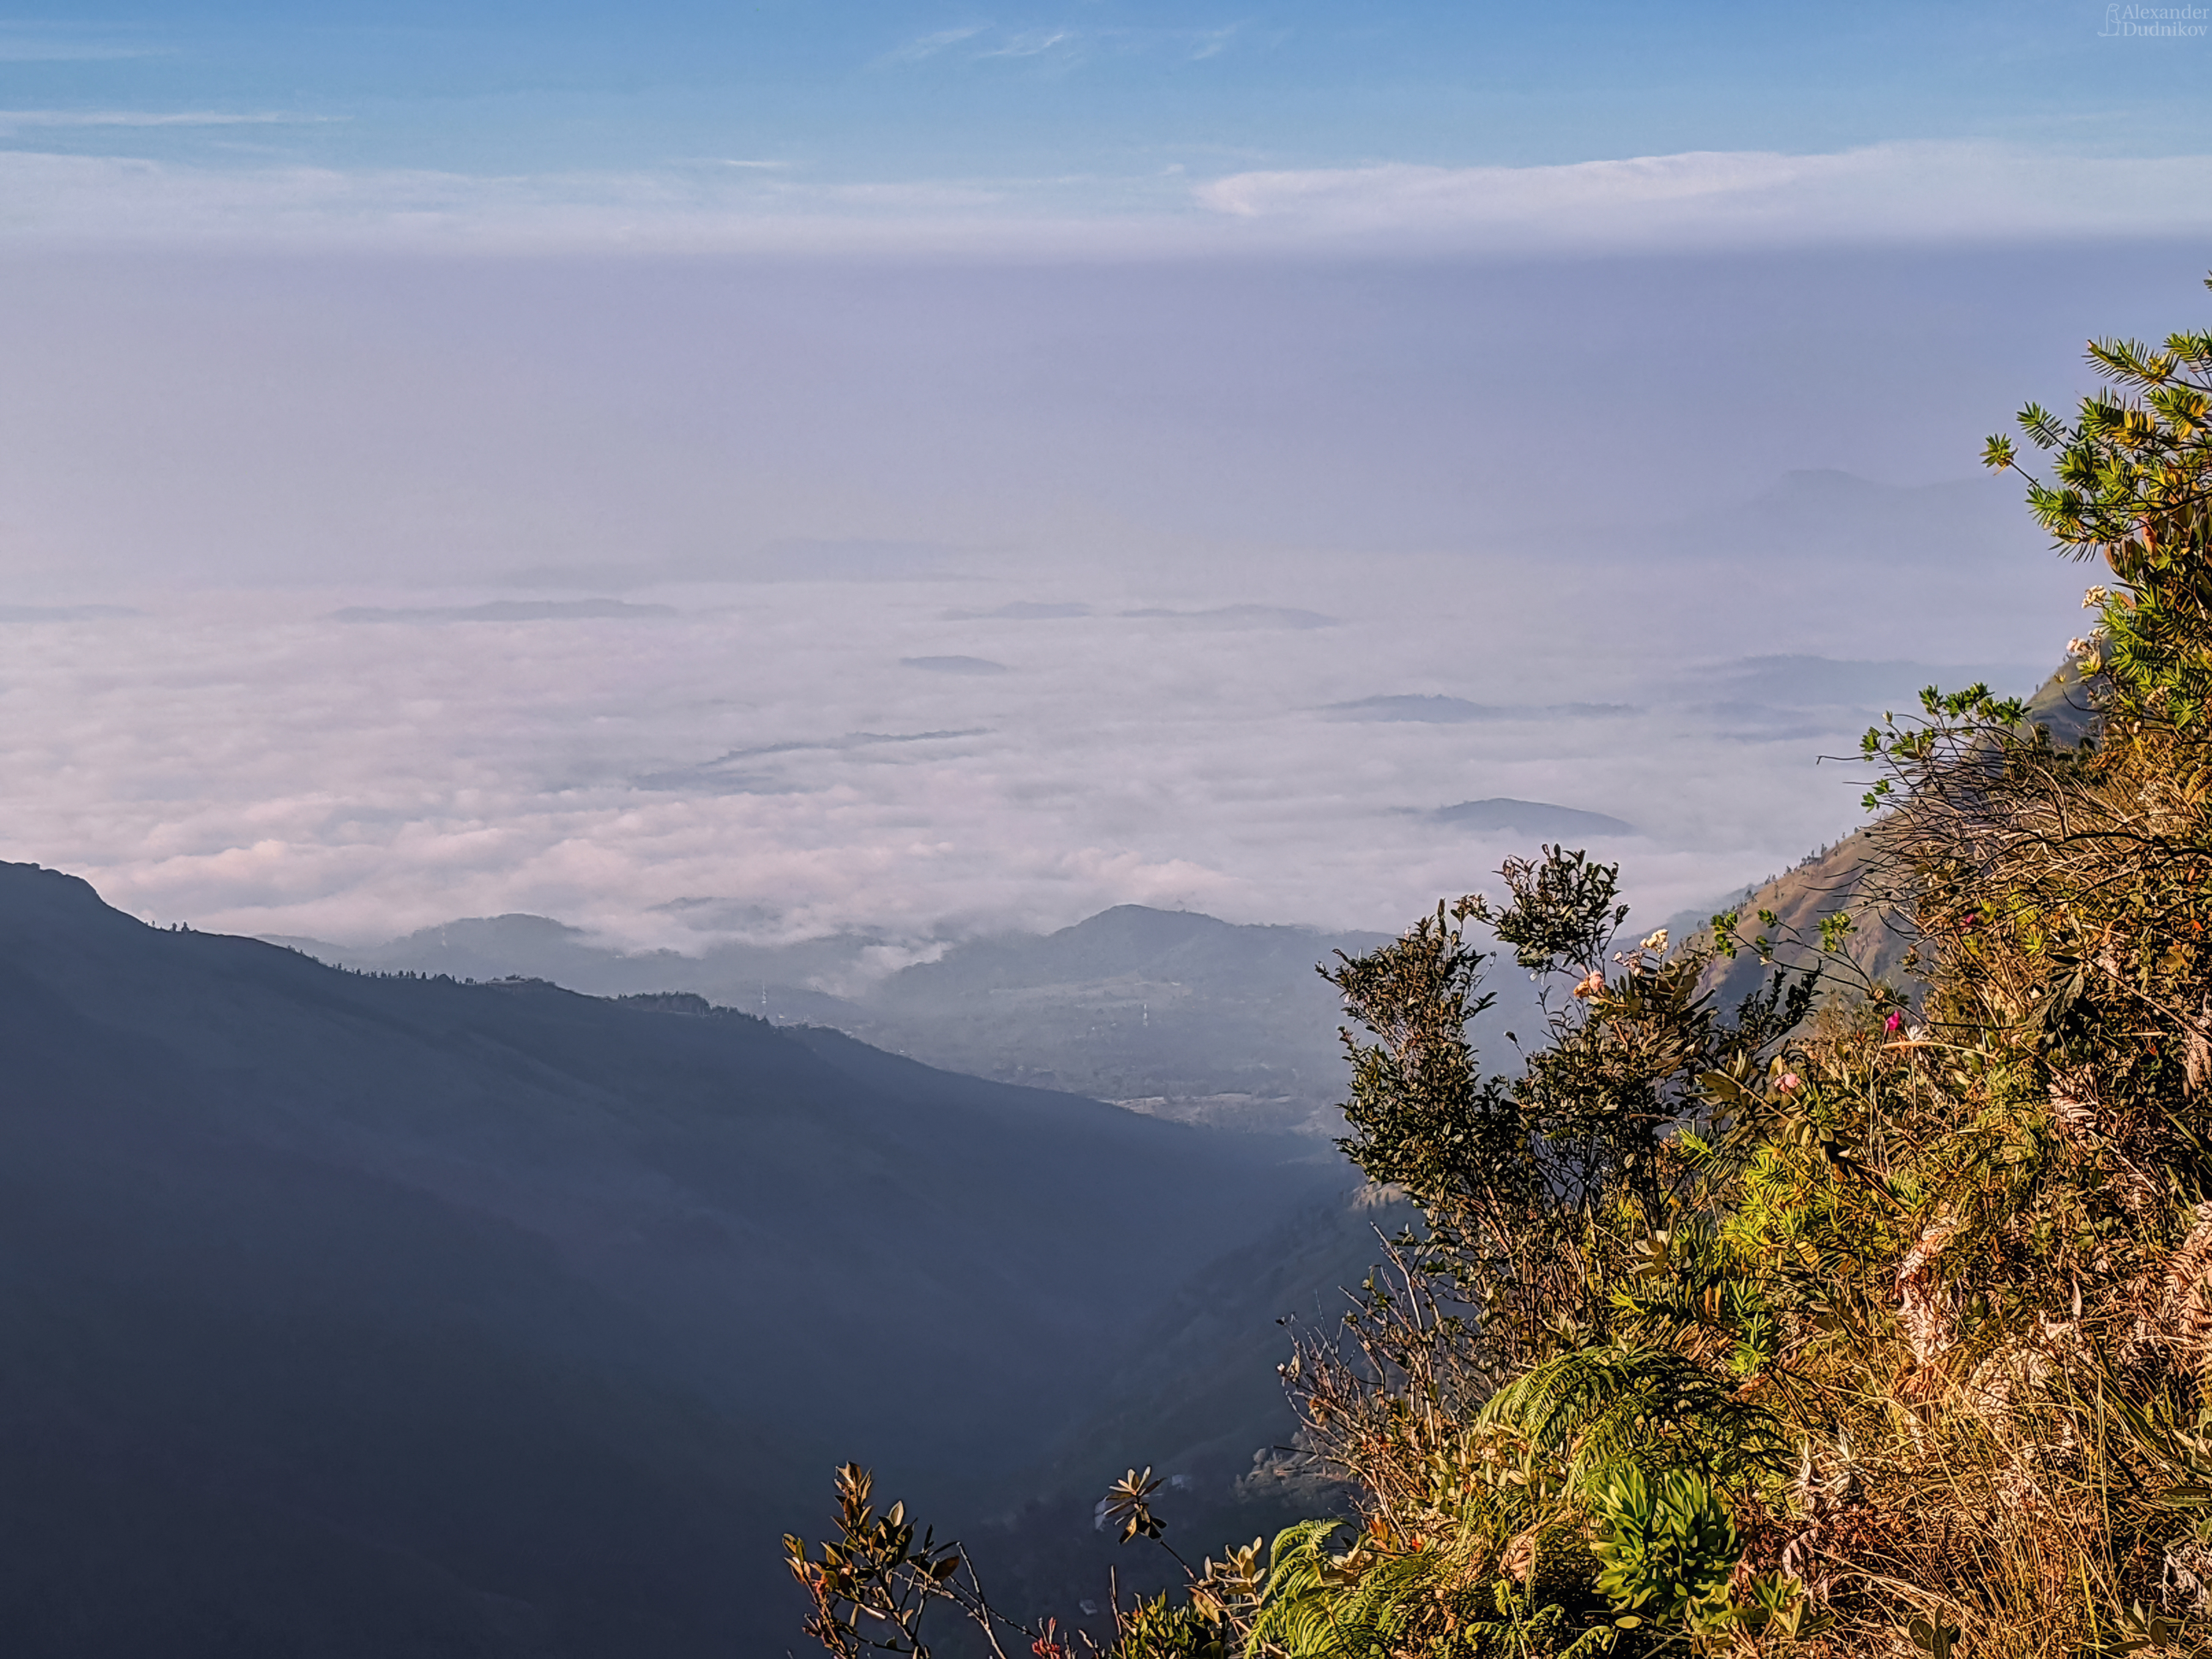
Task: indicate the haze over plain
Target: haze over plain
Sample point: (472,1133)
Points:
(754,478)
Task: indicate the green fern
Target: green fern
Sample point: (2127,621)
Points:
(1607,1410)
(1438,1601)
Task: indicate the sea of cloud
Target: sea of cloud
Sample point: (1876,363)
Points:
(775,760)
(695,599)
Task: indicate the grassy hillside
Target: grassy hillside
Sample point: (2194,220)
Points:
(1834,881)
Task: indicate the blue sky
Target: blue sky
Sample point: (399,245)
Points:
(1079,109)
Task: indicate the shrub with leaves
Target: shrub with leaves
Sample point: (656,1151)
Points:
(1666,1546)
(1855,1318)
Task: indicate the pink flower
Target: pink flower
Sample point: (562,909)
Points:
(1790,1083)
(1894,1025)
(1591,984)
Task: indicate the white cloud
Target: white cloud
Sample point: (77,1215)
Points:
(1399,194)
(928,45)
(1924,193)
(61,199)
(147,118)
(1916,191)
(243,761)
(1065,44)
(1033,42)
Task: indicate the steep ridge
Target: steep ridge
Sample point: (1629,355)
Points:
(1835,879)
(350,1315)
(1831,880)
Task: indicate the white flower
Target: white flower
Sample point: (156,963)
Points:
(1658,941)
(2077,647)
(2095,598)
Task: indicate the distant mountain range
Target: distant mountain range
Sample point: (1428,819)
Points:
(360,1314)
(1539,820)
(1170,1012)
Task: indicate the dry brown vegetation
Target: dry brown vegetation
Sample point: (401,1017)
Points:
(1866,1315)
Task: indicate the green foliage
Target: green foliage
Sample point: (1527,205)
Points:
(1421,1116)
(1562,914)
(1165,1629)
(1540,1188)
(2132,480)
(1303,1616)
(1876,1325)
(1667,1545)
(1611,1412)
(1364,1604)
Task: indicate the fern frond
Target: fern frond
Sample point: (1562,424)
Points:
(1604,1410)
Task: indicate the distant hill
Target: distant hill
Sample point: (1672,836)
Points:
(1503,815)
(367,1315)
(1175,1013)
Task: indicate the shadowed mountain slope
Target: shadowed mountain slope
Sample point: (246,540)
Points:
(350,1315)
(1197,1397)
(1177,1014)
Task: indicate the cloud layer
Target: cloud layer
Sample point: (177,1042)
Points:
(253,762)
(1925,191)
(1933,192)
(343,597)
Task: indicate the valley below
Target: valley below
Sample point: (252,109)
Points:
(382,1314)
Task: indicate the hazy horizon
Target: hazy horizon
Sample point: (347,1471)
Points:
(780,605)
(704,476)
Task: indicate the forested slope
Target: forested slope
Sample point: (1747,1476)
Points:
(352,1314)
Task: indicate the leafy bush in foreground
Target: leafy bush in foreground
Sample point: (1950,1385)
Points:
(1873,1322)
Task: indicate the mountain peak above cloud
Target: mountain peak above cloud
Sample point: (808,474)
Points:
(1501,815)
